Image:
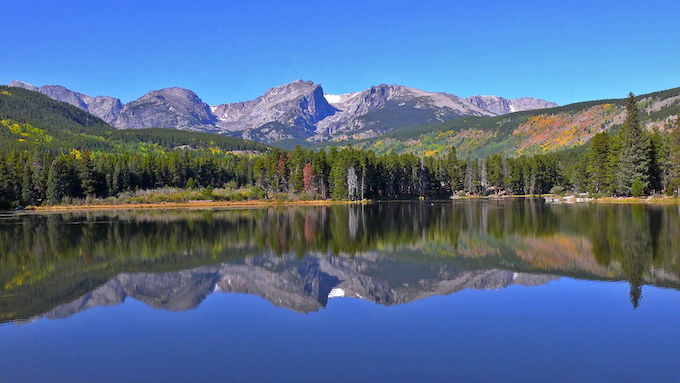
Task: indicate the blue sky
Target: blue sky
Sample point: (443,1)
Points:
(563,51)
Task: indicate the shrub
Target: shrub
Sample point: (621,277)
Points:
(256,193)
(191,184)
(557,190)
(637,188)
(206,194)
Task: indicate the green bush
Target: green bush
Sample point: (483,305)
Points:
(191,184)
(206,194)
(557,190)
(256,193)
(638,188)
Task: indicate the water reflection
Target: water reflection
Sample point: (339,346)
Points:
(55,265)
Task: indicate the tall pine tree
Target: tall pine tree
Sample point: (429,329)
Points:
(633,162)
(674,158)
(597,166)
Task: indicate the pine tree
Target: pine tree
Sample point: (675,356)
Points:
(27,191)
(634,158)
(87,175)
(597,163)
(657,161)
(57,181)
(452,168)
(674,158)
(320,170)
(582,177)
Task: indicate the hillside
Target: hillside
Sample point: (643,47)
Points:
(29,119)
(528,132)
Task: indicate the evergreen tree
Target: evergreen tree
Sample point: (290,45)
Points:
(88,178)
(597,170)
(657,161)
(452,170)
(674,158)
(634,158)
(57,181)
(582,173)
(27,191)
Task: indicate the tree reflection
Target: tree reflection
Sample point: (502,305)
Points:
(45,256)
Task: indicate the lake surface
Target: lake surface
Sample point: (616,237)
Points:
(512,291)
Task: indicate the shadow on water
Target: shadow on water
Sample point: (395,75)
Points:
(55,265)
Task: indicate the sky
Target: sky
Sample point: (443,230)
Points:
(227,51)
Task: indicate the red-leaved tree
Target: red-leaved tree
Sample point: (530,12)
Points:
(307,176)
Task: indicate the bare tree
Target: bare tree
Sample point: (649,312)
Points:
(352,183)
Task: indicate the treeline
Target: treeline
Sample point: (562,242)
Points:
(31,178)
(631,162)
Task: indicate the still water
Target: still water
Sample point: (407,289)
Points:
(513,291)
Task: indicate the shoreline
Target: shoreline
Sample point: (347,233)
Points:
(207,205)
(573,200)
(188,205)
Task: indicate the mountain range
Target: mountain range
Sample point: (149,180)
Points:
(300,110)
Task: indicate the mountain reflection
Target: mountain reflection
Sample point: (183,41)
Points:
(301,285)
(55,265)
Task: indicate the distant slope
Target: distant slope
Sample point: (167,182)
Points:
(29,120)
(383,108)
(105,107)
(500,105)
(526,132)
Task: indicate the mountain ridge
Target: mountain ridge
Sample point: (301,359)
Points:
(500,105)
(299,110)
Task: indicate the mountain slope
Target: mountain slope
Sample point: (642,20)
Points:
(382,108)
(104,107)
(30,120)
(528,132)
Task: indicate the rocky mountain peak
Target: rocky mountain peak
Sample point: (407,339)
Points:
(176,108)
(288,111)
(383,107)
(500,105)
(21,84)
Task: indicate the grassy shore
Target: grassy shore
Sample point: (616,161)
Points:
(658,200)
(183,199)
(640,200)
(192,205)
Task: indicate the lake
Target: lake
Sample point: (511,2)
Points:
(422,291)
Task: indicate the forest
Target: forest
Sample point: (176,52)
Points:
(629,162)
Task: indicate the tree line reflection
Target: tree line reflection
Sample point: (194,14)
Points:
(47,259)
